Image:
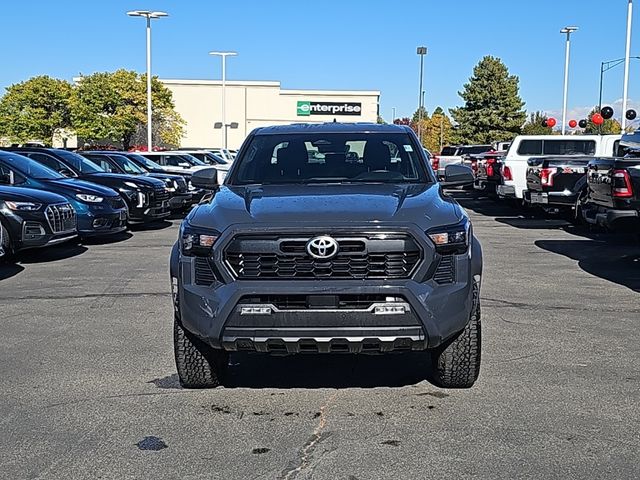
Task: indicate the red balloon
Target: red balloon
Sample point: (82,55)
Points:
(573,123)
(551,122)
(597,119)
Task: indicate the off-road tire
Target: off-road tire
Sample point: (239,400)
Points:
(456,364)
(198,365)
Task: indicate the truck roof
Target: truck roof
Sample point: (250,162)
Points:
(330,127)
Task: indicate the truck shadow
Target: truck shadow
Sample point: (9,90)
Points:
(615,258)
(327,371)
(8,270)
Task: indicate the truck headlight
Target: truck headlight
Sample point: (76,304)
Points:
(196,241)
(452,238)
(23,206)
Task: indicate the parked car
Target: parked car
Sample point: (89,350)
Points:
(556,184)
(524,147)
(116,162)
(613,188)
(151,166)
(99,210)
(354,254)
(455,155)
(147,198)
(31,219)
(488,171)
(175,162)
(211,159)
(223,153)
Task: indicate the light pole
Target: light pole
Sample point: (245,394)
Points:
(422,51)
(224,56)
(148,15)
(625,88)
(605,67)
(393,114)
(568,31)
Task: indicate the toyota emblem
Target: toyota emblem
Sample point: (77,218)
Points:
(322,248)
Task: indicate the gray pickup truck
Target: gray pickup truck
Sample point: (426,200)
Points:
(328,238)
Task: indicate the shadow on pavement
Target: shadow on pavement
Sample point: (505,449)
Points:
(615,258)
(145,227)
(327,371)
(107,239)
(8,270)
(51,254)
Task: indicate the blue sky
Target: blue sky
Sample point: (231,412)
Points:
(330,44)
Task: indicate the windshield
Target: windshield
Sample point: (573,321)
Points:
(78,162)
(215,159)
(30,168)
(127,165)
(192,160)
(330,158)
(148,163)
(449,151)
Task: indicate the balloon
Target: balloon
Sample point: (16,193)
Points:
(583,123)
(551,122)
(573,123)
(606,112)
(597,119)
(631,114)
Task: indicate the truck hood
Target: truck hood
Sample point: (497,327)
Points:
(117,179)
(422,205)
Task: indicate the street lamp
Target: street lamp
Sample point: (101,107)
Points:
(422,51)
(393,114)
(224,56)
(605,67)
(148,15)
(625,88)
(568,31)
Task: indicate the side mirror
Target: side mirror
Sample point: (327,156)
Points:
(207,179)
(457,176)
(66,172)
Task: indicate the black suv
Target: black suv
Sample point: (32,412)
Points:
(117,162)
(328,238)
(30,218)
(146,198)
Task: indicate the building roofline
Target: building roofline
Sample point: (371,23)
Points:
(250,83)
(372,93)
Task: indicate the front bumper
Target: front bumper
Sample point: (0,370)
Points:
(226,316)
(95,224)
(150,214)
(180,201)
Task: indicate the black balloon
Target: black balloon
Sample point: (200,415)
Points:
(607,113)
(544,123)
(631,114)
(582,123)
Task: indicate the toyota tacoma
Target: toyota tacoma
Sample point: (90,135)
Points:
(328,238)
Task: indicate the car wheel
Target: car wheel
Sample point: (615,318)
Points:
(456,364)
(6,246)
(198,365)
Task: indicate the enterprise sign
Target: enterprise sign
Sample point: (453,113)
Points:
(306,108)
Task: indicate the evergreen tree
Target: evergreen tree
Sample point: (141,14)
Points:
(535,125)
(493,109)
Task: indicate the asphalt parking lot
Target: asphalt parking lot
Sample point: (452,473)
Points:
(88,386)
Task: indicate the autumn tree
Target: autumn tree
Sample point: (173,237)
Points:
(113,106)
(493,109)
(35,109)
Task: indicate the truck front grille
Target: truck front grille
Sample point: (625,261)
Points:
(116,202)
(160,194)
(375,256)
(61,218)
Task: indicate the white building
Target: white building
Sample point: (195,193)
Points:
(253,104)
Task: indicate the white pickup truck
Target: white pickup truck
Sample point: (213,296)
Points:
(455,155)
(524,147)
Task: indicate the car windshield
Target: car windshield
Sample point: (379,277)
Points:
(148,163)
(331,158)
(30,168)
(78,162)
(127,165)
(192,160)
(215,159)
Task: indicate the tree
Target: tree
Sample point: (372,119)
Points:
(439,131)
(113,106)
(493,109)
(610,126)
(35,109)
(421,112)
(535,125)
